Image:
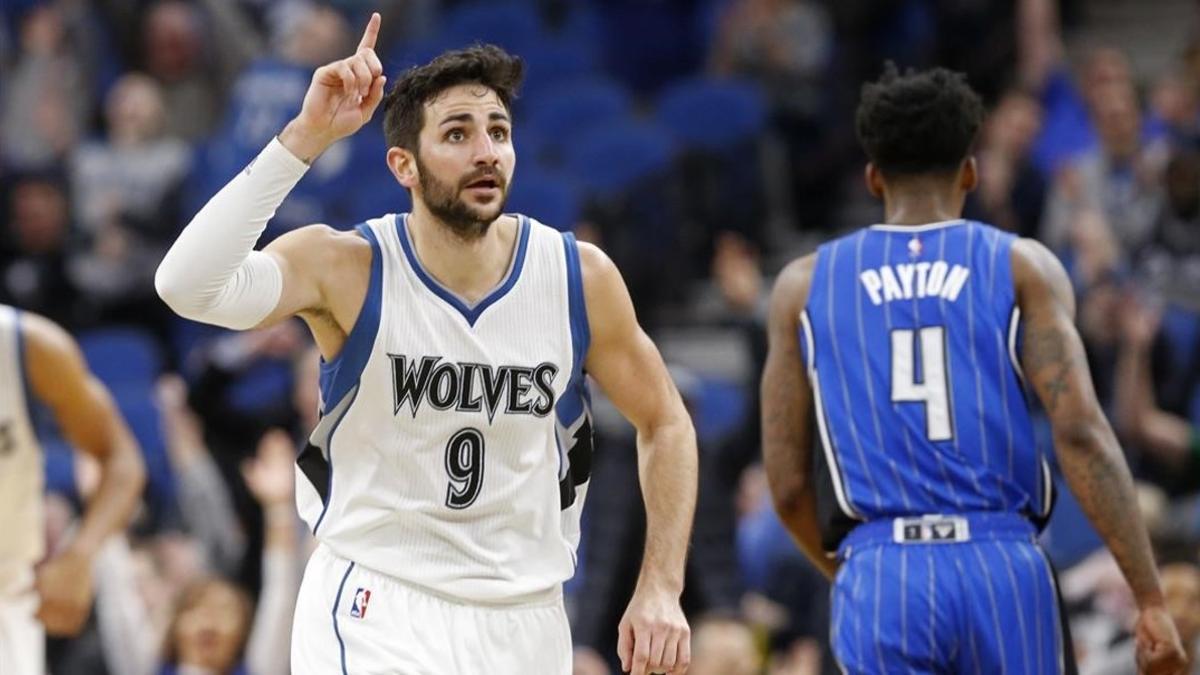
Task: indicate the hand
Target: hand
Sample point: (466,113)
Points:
(64,584)
(1158,649)
(1139,321)
(270,475)
(342,98)
(653,636)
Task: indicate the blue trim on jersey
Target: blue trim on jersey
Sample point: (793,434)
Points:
(336,602)
(470,312)
(23,365)
(329,458)
(339,375)
(573,402)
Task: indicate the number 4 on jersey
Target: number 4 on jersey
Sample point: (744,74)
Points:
(933,390)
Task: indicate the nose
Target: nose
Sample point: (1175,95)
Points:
(486,153)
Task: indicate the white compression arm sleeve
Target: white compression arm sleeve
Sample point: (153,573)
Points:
(212,273)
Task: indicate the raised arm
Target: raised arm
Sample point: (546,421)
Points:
(653,635)
(786,415)
(1054,363)
(213,275)
(85,412)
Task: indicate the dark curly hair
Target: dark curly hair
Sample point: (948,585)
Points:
(404,105)
(918,122)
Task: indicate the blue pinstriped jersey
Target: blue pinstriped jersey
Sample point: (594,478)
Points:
(910,336)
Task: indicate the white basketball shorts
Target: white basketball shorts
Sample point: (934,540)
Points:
(22,638)
(355,621)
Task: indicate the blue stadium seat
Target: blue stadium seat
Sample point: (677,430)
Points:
(122,356)
(1181,328)
(615,157)
(511,25)
(720,407)
(566,112)
(712,115)
(549,197)
(555,62)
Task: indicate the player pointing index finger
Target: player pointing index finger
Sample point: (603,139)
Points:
(446,478)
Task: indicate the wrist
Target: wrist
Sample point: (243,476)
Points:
(659,582)
(304,142)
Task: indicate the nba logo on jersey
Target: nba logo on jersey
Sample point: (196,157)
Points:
(358,608)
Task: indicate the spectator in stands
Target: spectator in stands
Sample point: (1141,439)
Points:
(1121,179)
(34,249)
(46,101)
(1012,190)
(724,645)
(130,179)
(788,46)
(1169,440)
(1169,265)
(214,628)
(194,50)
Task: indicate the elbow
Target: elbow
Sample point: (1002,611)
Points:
(1083,435)
(789,495)
(171,289)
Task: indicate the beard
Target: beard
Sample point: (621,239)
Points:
(444,200)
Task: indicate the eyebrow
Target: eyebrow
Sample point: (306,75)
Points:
(466,117)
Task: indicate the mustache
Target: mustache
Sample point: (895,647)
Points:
(483,174)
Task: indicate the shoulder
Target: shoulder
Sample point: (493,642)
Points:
(46,341)
(322,247)
(53,360)
(1037,272)
(790,292)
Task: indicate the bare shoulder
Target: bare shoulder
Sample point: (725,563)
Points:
(1037,272)
(322,246)
(602,281)
(53,360)
(46,341)
(595,263)
(790,292)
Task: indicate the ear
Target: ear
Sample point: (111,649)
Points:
(403,164)
(874,180)
(968,174)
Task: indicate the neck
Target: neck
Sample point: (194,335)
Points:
(469,268)
(917,205)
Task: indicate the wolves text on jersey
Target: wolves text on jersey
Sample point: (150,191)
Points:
(472,387)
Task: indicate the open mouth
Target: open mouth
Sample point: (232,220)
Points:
(484,184)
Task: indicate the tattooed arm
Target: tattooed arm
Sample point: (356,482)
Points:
(1053,359)
(786,411)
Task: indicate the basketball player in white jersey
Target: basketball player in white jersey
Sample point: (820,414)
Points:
(39,361)
(445,479)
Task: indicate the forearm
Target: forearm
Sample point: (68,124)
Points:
(212,273)
(120,489)
(798,512)
(1133,392)
(271,632)
(1097,475)
(667,469)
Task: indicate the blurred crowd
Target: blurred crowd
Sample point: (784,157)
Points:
(702,143)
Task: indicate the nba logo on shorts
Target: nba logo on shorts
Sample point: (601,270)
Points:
(358,608)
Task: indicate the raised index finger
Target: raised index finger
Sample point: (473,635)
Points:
(372,32)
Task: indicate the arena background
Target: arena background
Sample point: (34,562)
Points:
(703,144)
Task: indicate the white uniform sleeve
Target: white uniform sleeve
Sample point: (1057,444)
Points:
(212,273)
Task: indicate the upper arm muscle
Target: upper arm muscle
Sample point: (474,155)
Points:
(1052,353)
(60,378)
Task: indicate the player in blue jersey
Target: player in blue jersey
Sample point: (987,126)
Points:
(910,344)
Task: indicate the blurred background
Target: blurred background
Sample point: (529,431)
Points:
(702,143)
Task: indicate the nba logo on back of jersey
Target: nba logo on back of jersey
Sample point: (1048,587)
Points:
(358,608)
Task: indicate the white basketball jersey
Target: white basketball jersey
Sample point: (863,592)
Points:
(22,539)
(455,442)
